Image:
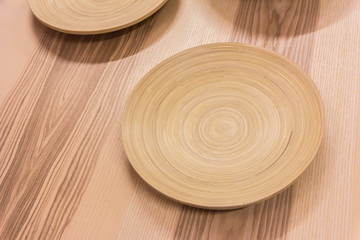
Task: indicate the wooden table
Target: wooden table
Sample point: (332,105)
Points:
(63,170)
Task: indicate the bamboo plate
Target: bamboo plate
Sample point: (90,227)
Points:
(222,126)
(92,16)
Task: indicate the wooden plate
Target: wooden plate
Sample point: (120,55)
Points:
(221,126)
(92,16)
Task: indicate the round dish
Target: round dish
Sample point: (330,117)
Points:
(222,126)
(91,16)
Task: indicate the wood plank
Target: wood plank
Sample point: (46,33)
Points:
(63,171)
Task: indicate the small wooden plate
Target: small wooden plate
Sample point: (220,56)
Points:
(91,16)
(222,126)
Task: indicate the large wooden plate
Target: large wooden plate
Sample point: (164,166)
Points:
(92,16)
(222,126)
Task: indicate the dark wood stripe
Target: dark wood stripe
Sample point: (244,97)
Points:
(34,158)
(194,223)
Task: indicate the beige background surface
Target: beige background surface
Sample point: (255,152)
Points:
(63,171)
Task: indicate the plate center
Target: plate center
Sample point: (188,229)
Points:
(222,126)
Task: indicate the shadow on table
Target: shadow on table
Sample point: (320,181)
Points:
(269,219)
(281,17)
(109,46)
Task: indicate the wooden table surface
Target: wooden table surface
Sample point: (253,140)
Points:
(63,170)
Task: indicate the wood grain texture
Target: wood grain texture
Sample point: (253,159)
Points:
(63,171)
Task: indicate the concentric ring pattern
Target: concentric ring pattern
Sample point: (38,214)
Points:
(222,126)
(92,16)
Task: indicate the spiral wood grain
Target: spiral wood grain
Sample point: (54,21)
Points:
(91,16)
(221,126)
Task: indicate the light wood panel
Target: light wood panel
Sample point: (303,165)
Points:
(63,170)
